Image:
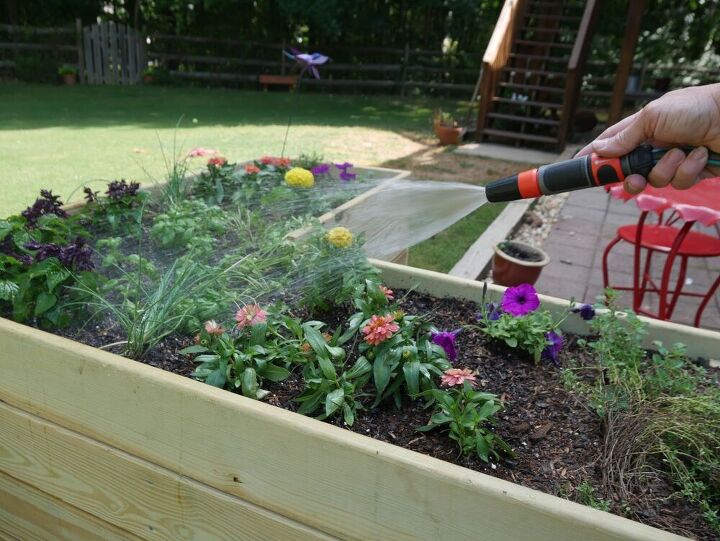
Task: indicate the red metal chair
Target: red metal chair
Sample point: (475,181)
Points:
(663,238)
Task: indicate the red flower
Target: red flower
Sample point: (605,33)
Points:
(379,329)
(217,161)
(456,376)
(389,293)
(250,314)
(251,169)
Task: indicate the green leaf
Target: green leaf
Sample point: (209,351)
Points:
(348,415)
(334,401)
(275,373)
(381,372)
(487,410)
(250,384)
(412,377)
(44,302)
(8,290)
(327,367)
(217,377)
(316,340)
(481,447)
(512,342)
(193,349)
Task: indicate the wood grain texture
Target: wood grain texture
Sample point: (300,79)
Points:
(29,514)
(333,480)
(148,501)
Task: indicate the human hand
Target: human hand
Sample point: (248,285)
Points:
(689,116)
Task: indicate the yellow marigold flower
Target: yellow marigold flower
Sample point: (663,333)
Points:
(340,237)
(299,177)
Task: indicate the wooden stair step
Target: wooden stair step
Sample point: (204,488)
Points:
(535,71)
(525,119)
(539,88)
(522,136)
(549,17)
(529,103)
(544,58)
(549,44)
(548,31)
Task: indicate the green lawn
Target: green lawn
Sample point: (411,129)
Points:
(61,137)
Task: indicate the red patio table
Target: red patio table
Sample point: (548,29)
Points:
(701,203)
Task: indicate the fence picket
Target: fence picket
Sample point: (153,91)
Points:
(89,71)
(112,37)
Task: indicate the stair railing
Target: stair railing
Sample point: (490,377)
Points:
(497,55)
(576,67)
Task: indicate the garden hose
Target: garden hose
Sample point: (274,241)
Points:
(578,173)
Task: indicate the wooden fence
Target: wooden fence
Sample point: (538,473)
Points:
(112,54)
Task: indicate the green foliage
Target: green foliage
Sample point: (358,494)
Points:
(662,411)
(67,70)
(527,332)
(328,385)
(467,414)
(308,160)
(188,224)
(586,496)
(121,214)
(38,290)
(216,183)
(242,361)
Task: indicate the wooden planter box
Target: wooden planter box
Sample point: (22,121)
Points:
(97,446)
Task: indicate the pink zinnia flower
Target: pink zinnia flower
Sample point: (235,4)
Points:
(389,293)
(456,376)
(267,160)
(217,161)
(200,152)
(275,162)
(379,329)
(251,169)
(520,300)
(212,327)
(250,314)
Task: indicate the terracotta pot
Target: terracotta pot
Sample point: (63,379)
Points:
(449,135)
(148,79)
(69,79)
(509,270)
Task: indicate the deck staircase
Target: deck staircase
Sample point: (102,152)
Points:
(532,71)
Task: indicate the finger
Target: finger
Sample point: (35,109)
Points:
(608,133)
(625,140)
(665,169)
(635,184)
(690,168)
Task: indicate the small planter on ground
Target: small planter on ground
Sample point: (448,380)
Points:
(68,75)
(517,263)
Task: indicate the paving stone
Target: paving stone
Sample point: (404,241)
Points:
(562,254)
(569,238)
(618,207)
(591,198)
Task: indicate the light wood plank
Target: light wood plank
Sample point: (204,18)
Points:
(328,478)
(29,514)
(98,60)
(149,501)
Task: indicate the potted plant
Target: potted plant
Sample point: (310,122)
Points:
(517,263)
(68,74)
(447,129)
(148,75)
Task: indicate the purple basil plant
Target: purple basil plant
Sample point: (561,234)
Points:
(47,203)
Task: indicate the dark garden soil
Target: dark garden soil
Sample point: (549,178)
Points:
(557,440)
(521,252)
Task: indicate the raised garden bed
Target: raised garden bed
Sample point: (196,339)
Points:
(94,445)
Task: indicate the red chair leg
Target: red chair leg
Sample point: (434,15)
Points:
(663,309)
(606,278)
(705,301)
(646,275)
(636,262)
(679,285)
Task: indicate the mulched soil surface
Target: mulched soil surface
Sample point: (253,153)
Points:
(557,440)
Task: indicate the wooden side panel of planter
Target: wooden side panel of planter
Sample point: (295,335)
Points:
(120,416)
(699,342)
(29,514)
(146,500)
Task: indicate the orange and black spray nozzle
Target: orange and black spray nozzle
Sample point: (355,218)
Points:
(578,173)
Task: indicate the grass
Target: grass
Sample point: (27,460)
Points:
(61,137)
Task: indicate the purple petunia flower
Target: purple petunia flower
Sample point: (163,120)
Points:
(344,166)
(307,61)
(321,169)
(586,311)
(347,176)
(493,311)
(520,300)
(446,340)
(555,344)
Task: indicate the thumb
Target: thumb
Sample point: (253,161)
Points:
(626,140)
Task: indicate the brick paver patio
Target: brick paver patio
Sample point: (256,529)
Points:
(588,222)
